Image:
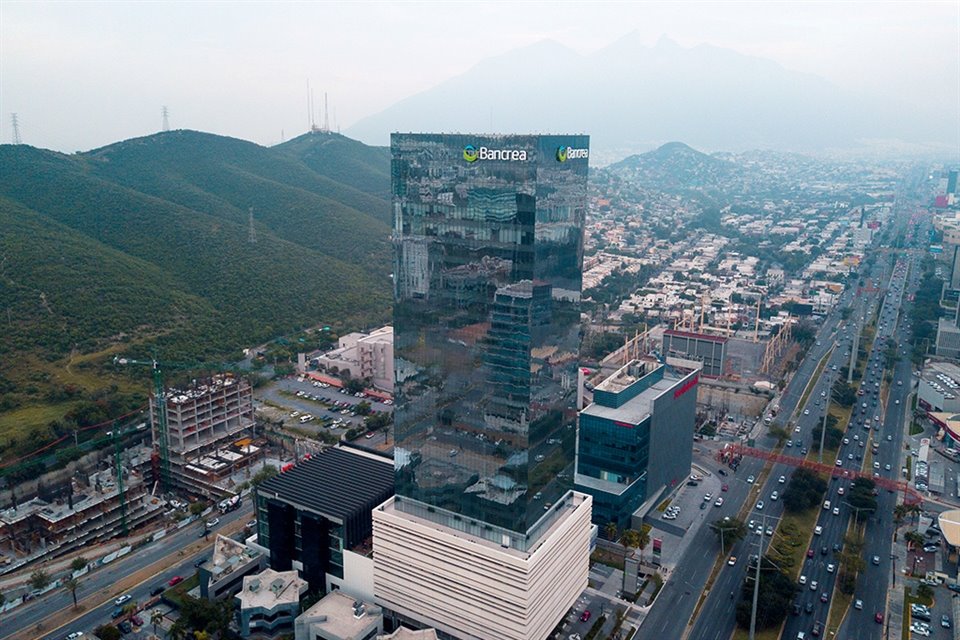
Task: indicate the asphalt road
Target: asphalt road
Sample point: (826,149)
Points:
(28,615)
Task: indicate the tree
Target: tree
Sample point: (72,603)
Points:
(71,585)
(776,592)
(107,632)
(611,530)
(156,617)
(39,579)
(914,538)
(900,513)
(79,563)
(354,385)
(861,497)
(804,490)
(633,539)
(831,441)
(729,530)
(843,394)
(362,408)
(267,472)
(197,508)
(205,615)
(925,592)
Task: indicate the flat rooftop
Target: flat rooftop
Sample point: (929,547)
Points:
(640,407)
(335,483)
(228,556)
(341,619)
(269,589)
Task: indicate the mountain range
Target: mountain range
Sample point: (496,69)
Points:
(631,97)
(148,243)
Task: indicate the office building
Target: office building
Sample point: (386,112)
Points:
(269,603)
(636,439)
(316,518)
(485,537)
(338,616)
(709,350)
(221,576)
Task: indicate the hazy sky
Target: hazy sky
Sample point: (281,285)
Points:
(84,74)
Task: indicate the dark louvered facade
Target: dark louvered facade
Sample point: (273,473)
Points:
(309,514)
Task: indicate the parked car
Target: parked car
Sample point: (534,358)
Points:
(585,616)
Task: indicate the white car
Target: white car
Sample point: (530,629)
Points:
(797,429)
(750,479)
(760,506)
(836,511)
(830,568)
(122,599)
(813,585)
(806,412)
(840,491)
(782,479)
(774,496)
(817,530)
(803,579)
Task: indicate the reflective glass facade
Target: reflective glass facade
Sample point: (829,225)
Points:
(488,250)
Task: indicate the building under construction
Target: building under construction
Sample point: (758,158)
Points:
(93,509)
(209,433)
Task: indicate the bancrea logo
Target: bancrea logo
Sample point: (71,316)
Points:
(472,154)
(565,153)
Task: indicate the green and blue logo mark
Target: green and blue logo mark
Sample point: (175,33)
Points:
(565,153)
(470,153)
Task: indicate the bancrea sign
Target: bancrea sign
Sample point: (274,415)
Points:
(565,153)
(472,154)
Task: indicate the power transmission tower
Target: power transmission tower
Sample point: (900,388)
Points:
(252,238)
(16,129)
(166,118)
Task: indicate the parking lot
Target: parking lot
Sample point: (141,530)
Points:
(319,402)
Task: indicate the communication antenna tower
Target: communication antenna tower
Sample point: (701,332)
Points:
(16,129)
(252,238)
(326,114)
(165,113)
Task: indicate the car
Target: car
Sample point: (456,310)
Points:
(876,465)
(157,591)
(774,496)
(732,560)
(119,602)
(797,608)
(707,497)
(212,523)
(896,401)
(945,621)
(725,487)
(368,435)
(840,491)
(826,505)
(760,506)
(199,563)
(796,429)
(125,627)
(174,580)
(585,616)
(769,531)
(886,467)
(875,560)
(75,635)
(878,617)
(722,472)
(136,620)
(718,503)
(813,585)
(836,511)
(817,530)
(817,627)
(806,412)
(830,568)
(803,579)
(839,462)
(858,605)
(846,441)
(251,525)
(889,438)
(117,612)
(920,629)
(808,607)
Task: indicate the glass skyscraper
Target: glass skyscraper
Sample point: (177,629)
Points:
(488,256)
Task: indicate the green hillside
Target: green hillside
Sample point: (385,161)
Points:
(145,244)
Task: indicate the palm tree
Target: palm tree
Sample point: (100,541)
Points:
(156,617)
(900,513)
(611,530)
(913,538)
(71,585)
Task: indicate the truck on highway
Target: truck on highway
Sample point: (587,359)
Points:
(229,504)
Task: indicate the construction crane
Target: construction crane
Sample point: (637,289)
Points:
(159,397)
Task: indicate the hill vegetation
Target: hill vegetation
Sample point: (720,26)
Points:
(145,245)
